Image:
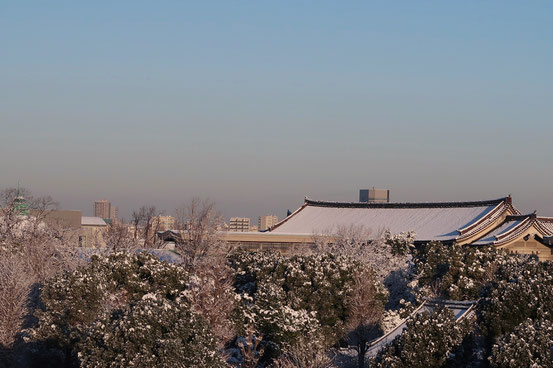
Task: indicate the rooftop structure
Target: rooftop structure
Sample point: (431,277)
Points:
(92,221)
(443,221)
(374,195)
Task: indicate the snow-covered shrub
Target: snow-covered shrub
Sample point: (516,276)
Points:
(287,298)
(384,252)
(210,290)
(365,304)
(74,300)
(529,345)
(390,320)
(308,352)
(456,272)
(33,248)
(388,255)
(277,321)
(525,290)
(400,244)
(154,332)
(427,341)
(511,268)
(316,284)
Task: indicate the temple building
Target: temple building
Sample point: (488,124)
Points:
(494,222)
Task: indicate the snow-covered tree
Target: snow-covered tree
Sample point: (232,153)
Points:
(530,344)
(383,251)
(427,341)
(456,272)
(154,332)
(524,290)
(198,223)
(31,251)
(145,226)
(286,298)
(210,289)
(365,304)
(117,237)
(308,352)
(400,244)
(73,301)
(204,254)
(389,255)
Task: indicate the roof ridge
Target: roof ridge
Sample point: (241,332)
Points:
(311,202)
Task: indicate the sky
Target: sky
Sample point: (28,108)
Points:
(257,104)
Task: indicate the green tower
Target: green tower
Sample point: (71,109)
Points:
(20,206)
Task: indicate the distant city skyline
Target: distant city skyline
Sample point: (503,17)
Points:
(256,105)
(164,206)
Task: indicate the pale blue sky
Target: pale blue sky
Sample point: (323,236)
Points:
(258,103)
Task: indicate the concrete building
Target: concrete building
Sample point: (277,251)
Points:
(92,232)
(374,195)
(163,223)
(239,224)
(113,212)
(102,209)
(267,221)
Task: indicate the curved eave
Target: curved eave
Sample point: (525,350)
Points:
(516,232)
(490,221)
(528,223)
(545,225)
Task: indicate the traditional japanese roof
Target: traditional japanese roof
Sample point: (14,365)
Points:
(515,227)
(444,221)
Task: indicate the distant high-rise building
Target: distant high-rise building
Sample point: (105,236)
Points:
(266,222)
(102,209)
(113,212)
(240,224)
(374,195)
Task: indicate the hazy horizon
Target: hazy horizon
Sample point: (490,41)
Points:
(256,105)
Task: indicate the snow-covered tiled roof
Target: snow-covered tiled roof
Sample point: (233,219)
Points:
(514,227)
(431,221)
(92,221)
(505,228)
(547,224)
